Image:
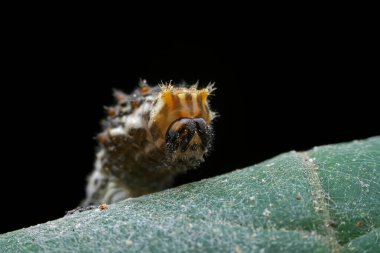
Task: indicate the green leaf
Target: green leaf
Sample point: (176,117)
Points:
(323,200)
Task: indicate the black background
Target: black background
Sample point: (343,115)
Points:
(279,88)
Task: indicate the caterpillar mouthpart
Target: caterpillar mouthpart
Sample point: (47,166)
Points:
(188,138)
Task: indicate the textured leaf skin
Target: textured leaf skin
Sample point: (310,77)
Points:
(323,200)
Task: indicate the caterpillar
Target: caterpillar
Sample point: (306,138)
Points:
(148,138)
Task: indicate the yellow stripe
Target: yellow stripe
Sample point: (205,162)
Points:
(182,99)
(195,104)
(183,112)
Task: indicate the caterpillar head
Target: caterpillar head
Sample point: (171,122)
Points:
(180,121)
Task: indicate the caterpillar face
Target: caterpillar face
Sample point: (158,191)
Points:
(188,137)
(181,121)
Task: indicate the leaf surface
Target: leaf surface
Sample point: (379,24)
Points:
(323,200)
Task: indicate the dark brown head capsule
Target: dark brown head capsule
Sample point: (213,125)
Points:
(189,136)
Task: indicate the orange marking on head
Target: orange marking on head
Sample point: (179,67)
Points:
(204,94)
(167,96)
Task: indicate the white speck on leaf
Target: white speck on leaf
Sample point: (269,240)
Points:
(364,186)
(266,212)
(237,249)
